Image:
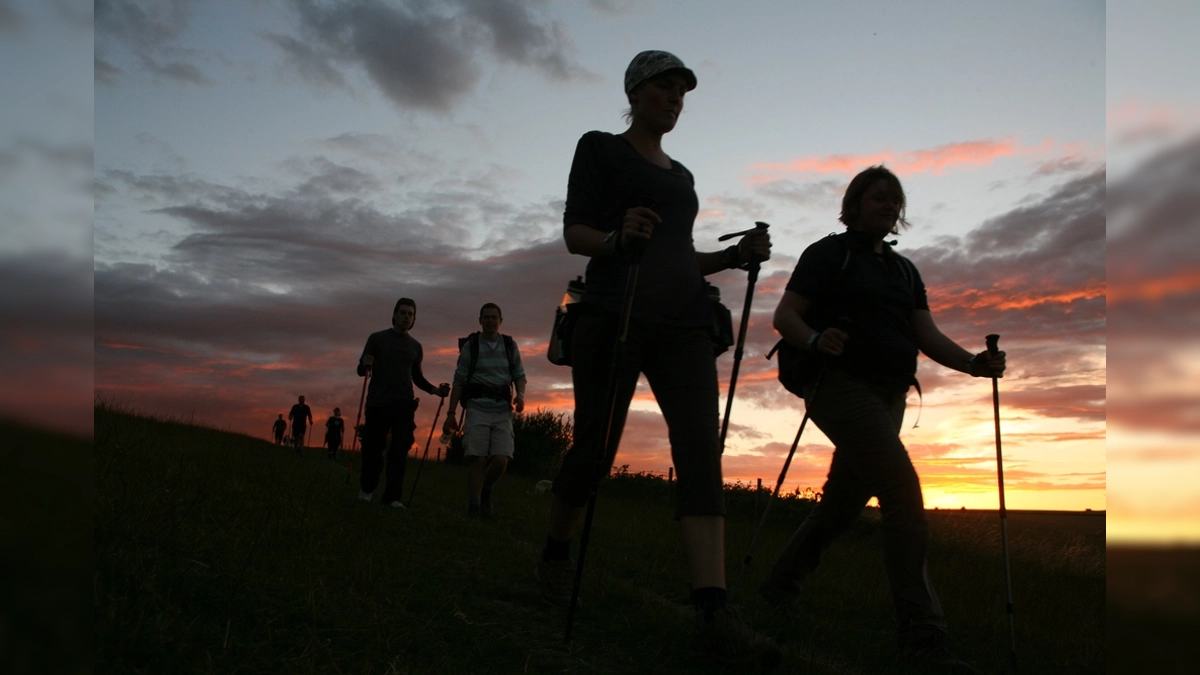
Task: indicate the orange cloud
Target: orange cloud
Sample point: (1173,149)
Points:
(931,160)
(1011,295)
(1154,290)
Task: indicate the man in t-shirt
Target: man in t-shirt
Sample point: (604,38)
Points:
(278,429)
(334,428)
(394,359)
(489,367)
(301,417)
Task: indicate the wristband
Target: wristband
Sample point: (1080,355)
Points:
(813,340)
(730,257)
(612,242)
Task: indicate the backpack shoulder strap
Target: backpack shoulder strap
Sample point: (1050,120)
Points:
(509,348)
(473,343)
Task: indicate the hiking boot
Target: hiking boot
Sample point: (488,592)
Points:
(397,505)
(783,598)
(365,496)
(725,637)
(556,579)
(934,656)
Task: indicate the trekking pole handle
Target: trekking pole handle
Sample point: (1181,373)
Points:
(758,225)
(993,343)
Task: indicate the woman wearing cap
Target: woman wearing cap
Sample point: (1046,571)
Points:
(626,197)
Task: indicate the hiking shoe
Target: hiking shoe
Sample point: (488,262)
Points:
(556,579)
(486,510)
(365,496)
(783,598)
(725,637)
(397,505)
(934,656)
(472,511)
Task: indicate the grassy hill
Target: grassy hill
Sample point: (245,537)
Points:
(216,552)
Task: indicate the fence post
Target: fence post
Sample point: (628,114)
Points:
(757,498)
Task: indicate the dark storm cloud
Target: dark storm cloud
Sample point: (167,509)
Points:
(423,55)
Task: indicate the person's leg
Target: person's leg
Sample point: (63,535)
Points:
(584,463)
(374,436)
(842,499)
(402,426)
(474,441)
(865,427)
(475,473)
(681,370)
(500,451)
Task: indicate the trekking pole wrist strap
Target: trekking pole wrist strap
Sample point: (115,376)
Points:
(813,340)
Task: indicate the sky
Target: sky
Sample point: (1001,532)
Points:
(269,176)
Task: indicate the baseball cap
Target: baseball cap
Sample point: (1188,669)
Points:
(655,62)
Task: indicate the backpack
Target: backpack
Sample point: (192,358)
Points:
(476,390)
(799,367)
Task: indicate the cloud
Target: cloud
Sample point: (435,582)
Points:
(149,29)
(936,160)
(423,56)
(45,341)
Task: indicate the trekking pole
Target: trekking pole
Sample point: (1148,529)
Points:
(357,418)
(753,268)
(843,324)
(413,492)
(993,345)
(779,483)
(602,459)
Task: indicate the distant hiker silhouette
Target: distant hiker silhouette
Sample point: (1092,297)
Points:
(279,429)
(301,417)
(335,428)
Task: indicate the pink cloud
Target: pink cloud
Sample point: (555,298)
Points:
(930,160)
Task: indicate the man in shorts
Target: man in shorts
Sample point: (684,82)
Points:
(489,368)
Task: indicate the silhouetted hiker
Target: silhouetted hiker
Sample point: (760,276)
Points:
(626,195)
(279,428)
(489,368)
(335,427)
(394,359)
(301,417)
(856,397)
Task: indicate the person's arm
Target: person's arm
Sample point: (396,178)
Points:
(366,360)
(637,226)
(418,378)
(937,346)
(755,245)
(460,380)
(519,401)
(789,321)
